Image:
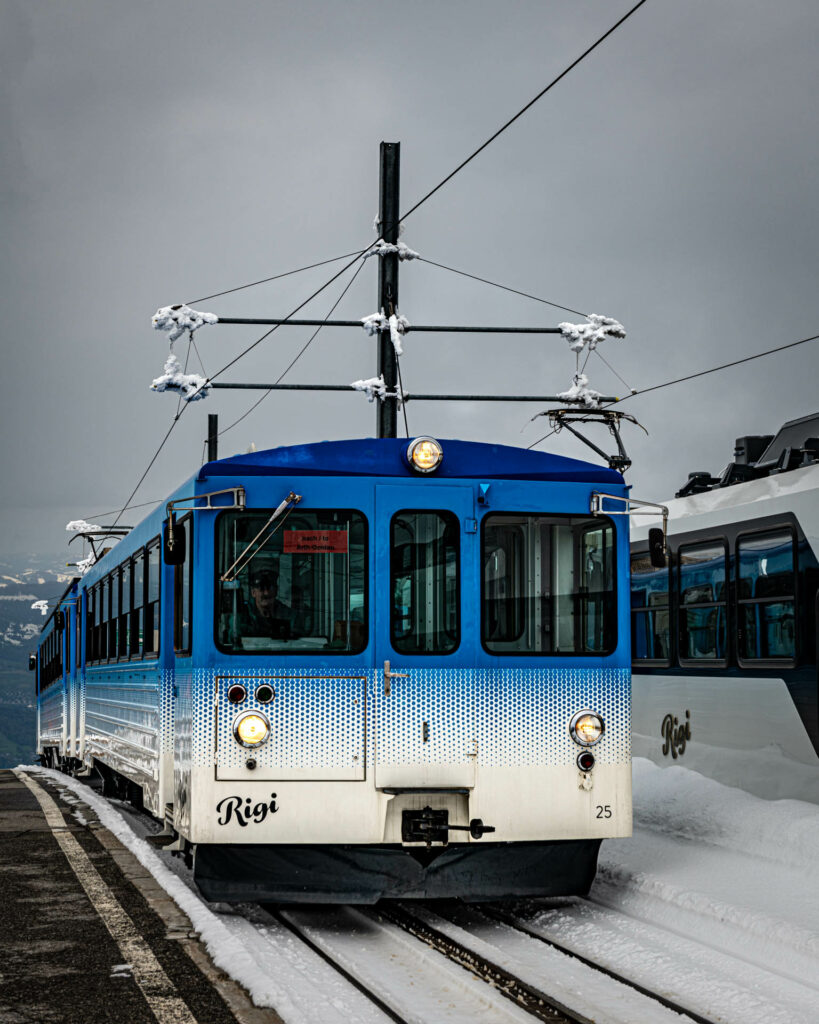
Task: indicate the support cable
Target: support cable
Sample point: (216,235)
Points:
(503,287)
(265,280)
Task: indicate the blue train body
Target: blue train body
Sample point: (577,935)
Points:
(418,649)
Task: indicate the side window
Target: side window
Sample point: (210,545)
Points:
(124,610)
(137,605)
(504,605)
(152,599)
(424,614)
(183,594)
(703,622)
(766,593)
(78,631)
(105,614)
(650,612)
(113,621)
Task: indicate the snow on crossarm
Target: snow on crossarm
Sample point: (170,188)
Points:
(191,386)
(589,335)
(384,248)
(178,319)
(373,387)
(80,526)
(398,326)
(581,392)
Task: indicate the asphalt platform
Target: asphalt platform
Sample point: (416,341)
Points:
(87,936)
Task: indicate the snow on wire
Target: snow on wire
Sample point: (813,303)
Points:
(397,325)
(191,386)
(175,320)
(589,335)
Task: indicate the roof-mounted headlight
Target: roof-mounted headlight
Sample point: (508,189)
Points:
(424,454)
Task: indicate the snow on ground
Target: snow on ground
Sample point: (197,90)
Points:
(714,901)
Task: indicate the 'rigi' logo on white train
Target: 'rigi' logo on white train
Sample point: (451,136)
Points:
(675,735)
(244,810)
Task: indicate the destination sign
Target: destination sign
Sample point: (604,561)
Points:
(315,542)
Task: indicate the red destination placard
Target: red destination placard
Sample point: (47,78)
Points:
(315,542)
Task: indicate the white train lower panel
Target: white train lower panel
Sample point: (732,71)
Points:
(743,731)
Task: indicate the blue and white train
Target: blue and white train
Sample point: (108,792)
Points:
(356,669)
(725,637)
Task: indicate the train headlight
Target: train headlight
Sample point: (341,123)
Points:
(586,728)
(424,454)
(251,728)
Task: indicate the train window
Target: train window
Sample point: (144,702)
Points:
(766,597)
(424,613)
(105,614)
(548,585)
(650,611)
(137,605)
(113,621)
(183,593)
(294,587)
(703,624)
(78,631)
(124,610)
(152,599)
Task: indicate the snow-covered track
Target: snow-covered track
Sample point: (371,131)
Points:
(410,982)
(574,987)
(677,962)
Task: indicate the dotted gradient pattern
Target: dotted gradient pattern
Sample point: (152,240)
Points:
(317,721)
(516,716)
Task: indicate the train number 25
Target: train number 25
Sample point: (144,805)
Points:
(603,811)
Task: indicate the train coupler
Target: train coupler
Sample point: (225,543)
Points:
(432,826)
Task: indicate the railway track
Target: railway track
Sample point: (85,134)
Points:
(525,977)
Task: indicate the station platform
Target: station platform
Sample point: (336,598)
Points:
(87,936)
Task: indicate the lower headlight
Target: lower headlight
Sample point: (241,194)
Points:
(251,728)
(586,728)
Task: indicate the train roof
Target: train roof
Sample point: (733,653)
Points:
(385,457)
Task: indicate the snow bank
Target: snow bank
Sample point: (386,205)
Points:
(589,335)
(581,392)
(191,386)
(80,526)
(178,319)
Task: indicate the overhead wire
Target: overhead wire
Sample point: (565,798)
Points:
(298,355)
(693,376)
(522,110)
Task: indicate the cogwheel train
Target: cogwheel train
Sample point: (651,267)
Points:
(356,669)
(725,637)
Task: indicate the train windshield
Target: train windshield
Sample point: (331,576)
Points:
(548,585)
(296,585)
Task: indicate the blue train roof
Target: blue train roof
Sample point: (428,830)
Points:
(385,457)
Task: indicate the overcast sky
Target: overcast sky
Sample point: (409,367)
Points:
(156,152)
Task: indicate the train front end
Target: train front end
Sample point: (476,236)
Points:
(411,680)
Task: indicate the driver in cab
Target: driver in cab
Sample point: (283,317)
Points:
(266,615)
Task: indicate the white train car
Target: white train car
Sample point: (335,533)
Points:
(724,639)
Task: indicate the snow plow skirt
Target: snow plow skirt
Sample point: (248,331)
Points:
(366,874)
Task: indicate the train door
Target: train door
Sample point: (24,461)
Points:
(424,647)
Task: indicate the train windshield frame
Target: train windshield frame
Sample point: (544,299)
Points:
(301,587)
(531,601)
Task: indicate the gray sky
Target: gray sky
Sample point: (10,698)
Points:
(161,151)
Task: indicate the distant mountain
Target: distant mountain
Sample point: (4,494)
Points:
(24,579)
